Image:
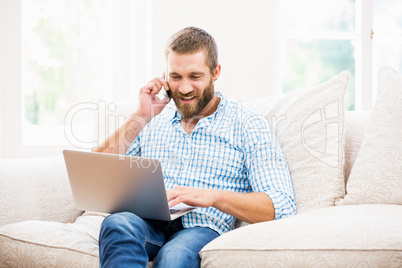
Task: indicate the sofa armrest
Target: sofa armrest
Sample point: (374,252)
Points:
(35,189)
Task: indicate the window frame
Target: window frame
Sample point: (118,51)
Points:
(363,50)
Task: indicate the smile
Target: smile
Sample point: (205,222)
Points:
(187,99)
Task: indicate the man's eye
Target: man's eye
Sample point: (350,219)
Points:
(196,77)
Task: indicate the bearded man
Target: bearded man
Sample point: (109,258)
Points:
(215,154)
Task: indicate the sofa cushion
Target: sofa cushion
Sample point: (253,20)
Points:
(376,176)
(365,235)
(355,125)
(51,244)
(309,125)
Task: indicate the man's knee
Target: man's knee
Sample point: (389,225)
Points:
(124,222)
(121,240)
(178,256)
(183,247)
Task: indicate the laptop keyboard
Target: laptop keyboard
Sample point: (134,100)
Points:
(173,211)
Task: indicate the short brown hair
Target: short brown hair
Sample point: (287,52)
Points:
(191,40)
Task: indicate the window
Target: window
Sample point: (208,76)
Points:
(320,38)
(58,55)
(66,54)
(387,35)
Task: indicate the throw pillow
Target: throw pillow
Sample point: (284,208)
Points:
(376,176)
(309,126)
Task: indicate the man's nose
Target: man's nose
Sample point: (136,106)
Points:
(185,87)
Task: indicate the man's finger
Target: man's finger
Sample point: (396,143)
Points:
(163,83)
(173,203)
(158,83)
(170,194)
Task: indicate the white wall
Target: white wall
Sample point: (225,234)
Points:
(245,33)
(10,65)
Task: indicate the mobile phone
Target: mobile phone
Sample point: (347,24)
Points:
(167,94)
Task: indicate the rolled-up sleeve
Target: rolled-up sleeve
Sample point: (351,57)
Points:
(135,148)
(267,167)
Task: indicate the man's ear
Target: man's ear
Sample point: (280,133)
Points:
(217,72)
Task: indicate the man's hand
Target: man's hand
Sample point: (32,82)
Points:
(150,104)
(249,207)
(191,196)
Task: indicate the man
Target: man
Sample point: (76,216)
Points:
(215,154)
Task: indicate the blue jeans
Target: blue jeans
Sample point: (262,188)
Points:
(127,240)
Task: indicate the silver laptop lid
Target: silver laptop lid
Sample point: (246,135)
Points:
(114,183)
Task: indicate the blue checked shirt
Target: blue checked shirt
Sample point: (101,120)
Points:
(233,150)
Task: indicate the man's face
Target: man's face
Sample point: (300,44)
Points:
(191,82)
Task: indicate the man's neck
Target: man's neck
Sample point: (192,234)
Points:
(189,124)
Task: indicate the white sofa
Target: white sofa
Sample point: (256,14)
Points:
(340,222)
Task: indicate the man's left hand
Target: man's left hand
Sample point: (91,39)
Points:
(249,207)
(191,196)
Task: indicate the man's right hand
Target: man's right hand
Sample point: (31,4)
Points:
(150,104)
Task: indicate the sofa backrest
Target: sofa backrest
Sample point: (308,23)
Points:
(35,189)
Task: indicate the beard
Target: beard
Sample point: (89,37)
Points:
(188,111)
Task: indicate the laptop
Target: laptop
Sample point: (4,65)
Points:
(113,183)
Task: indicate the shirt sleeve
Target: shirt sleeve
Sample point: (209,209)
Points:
(135,148)
(266,166)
